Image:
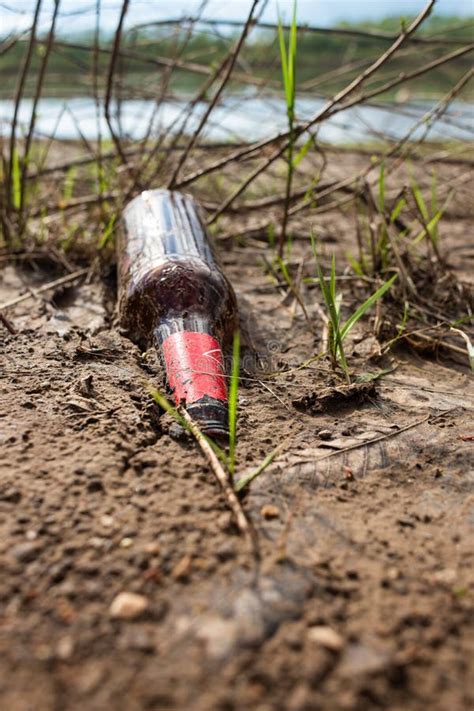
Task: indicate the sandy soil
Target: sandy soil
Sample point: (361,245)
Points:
(363,596)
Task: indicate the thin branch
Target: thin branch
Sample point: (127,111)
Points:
(255,148)
(111,155)
(38,90)
(357,100)
(389,435)
(243,523)
(191,67)
(212,104)
(18,98)
(325,110)
(184,118)
(95,91)
(33,293)
(304,29)
(167,77)
(110,79)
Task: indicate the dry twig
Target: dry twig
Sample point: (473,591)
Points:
(33,293)
(243,523)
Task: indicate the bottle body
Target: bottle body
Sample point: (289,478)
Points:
(174,295)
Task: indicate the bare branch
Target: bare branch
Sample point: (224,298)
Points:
(225,79)
(110,79)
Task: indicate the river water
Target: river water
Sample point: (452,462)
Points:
(240,118)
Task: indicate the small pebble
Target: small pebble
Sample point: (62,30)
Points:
(176,431)
(128,606)
(153,548)
(126,543)
(65,648)
(268,511)
(325,435)
(326,637)
(448,576)
(26,552)
(84,386)
(96,542)
(219,636)
(226,551)
(182,569)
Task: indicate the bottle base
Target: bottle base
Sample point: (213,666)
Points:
(211,416)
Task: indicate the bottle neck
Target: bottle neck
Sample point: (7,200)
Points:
(193,323)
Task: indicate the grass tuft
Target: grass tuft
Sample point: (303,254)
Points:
(337,331)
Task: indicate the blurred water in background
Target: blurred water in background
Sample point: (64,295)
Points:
(239,118)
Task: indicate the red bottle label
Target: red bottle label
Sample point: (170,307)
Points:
(195,366)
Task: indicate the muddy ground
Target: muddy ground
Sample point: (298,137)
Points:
(363,596)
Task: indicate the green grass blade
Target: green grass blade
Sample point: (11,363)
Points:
(102,179)
(356,265)
(397,210)
(419,200)
(382,188)
(468,318)
(284,60)
(430,228)
(16,180)
(245,480)
(332,285)
(168,407)
(329,295)
(324,287)
(107,233)
(69,182)
(233,399)
(322,281)
(406,311)
(284,270)
(302,152)
(365,306)
(292,58)
(328,291)
(370,377)
(434,193)
(401,328)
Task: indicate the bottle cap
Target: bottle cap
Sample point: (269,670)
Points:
(211,416)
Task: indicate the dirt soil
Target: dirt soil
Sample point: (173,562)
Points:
(363,597)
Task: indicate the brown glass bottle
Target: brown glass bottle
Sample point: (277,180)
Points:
(173,294)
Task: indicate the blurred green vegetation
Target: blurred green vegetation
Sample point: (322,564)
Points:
(326,62)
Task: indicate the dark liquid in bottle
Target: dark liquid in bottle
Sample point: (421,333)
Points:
(174,294)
